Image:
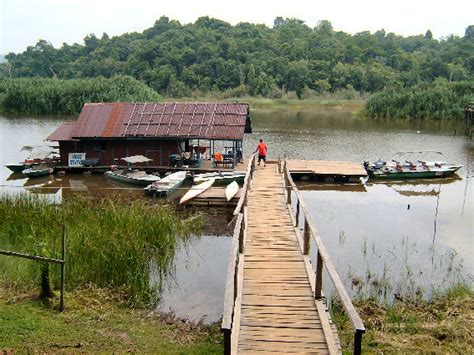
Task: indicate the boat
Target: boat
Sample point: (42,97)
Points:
(38,155)
(132,176)
(17,167)
(231,190)
(38,171)
(167,185)
(221,177)
(196,190)
(405,167)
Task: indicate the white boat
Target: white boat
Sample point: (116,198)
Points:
(166,185)
(135,177)
(221,177)
(196,190)
(231,190)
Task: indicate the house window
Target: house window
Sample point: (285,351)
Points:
(99,146)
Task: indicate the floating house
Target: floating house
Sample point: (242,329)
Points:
(168,133)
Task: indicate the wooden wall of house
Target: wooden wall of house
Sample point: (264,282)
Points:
(110,152)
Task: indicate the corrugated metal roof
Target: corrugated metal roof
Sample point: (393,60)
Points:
(63,132)
(160,119)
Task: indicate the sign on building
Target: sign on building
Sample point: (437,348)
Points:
(76,159)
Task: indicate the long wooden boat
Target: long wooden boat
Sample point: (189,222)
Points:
(221,178)
(410,169)
(135,177)
(231,190)
(196,190)
(38,155)
(17,167)
(38,171)
(167,185)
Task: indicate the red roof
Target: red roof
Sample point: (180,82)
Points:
(157,119)
(63,132)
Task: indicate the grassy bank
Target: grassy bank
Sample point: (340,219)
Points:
(111,242)
(442,325)
(97,321)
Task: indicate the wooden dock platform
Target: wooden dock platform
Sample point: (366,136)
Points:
(215,196)
(274,299)
(323,169)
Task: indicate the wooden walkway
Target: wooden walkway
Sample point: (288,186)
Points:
(274,299)
(278,309)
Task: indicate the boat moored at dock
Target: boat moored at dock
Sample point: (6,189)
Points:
(167,185)
(404,166)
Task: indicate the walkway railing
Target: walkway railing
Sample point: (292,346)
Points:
(235,269)
(323,258)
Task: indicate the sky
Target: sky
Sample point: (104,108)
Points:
(24,22)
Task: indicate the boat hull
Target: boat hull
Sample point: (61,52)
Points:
(231,190)
(128,180)
(220,179)
(16,168)
(196,190)
(38,172)
(165,186)
(427,174)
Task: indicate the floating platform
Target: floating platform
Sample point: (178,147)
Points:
(322,170)
(215,196)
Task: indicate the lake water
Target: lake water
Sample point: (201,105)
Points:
(386,239)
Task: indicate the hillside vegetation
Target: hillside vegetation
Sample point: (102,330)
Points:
(178,60)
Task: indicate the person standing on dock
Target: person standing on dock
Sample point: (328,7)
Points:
(262,152)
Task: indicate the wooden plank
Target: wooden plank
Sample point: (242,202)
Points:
(277,308)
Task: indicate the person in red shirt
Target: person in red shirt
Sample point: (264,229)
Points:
(262,152)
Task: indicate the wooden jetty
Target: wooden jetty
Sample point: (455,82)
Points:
(274,300)
(326,169)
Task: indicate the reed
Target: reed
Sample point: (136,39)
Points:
(439,100)
(111,242)
(56,96)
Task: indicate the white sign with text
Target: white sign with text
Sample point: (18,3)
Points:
(76,159)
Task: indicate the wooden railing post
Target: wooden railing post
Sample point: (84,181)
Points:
(358,342)
(241,236)
(306,236)
(227,340)
(297,217)
(319,277)
(63,268)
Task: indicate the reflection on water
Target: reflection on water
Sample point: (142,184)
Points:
(196,290)
(397,238)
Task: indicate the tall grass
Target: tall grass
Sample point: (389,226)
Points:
(439,100)
(110,241)
(55,96)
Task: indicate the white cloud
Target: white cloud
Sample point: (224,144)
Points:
(23,22)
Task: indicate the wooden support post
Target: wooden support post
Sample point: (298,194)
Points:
(241,236)
(297,217)
(288,195)
(306,236)
(227,341)
(358,342)
(63,268)
(319,277)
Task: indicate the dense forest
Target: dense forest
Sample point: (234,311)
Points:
(179,60)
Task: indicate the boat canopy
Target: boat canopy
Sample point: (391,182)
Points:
(137,159)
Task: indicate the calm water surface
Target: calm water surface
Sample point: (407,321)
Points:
(386,238)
